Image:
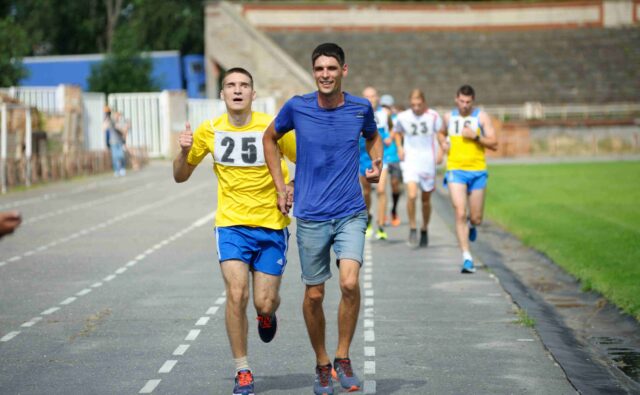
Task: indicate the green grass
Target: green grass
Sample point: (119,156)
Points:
(524,319)
(585,217)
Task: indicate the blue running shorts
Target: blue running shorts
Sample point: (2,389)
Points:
(316,237)
(263,249)
(473,179)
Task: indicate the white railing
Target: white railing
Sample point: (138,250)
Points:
(93,110)
(28,148)
(147,117)
(199,110)
(535,110)
(45,98)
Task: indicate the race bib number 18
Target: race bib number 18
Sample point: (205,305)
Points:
(238,148)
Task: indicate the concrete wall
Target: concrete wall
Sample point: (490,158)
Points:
(415,16)
(230,41)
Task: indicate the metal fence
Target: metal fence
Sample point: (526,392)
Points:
(45,98)
(200,110)
(146,113)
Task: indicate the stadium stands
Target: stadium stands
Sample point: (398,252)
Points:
(588,65)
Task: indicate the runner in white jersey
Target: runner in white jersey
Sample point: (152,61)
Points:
(419,154)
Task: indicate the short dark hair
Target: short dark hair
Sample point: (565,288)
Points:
(466,90)
(239,70)
(328,49)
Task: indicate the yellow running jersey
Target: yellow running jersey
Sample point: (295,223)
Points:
(246,193)
(465,154)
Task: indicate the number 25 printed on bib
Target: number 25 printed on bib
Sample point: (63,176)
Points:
(238,149)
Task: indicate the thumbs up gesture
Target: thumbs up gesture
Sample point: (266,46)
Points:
(186,139)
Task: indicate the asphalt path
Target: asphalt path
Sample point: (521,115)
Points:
(112,286)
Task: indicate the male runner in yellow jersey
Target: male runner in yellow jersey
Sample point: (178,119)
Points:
(251,232)
(470,131)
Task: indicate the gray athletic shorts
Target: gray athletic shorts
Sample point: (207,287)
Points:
(395,171)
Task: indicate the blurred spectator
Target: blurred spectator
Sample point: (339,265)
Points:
(115,139)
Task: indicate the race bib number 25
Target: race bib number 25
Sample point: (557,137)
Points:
(238,148)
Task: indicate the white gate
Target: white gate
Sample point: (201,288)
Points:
(199,110)
(147,116)
(93,109)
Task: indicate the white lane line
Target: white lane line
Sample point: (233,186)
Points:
(369,367)
(121,270)
(50,311)
(9,336)
(167,366)
(32,322)
(369,336)
(68,300)
(181,349)
(75,191)
(131,263)
(525,340)
(193,335)
(3,263)
(150,386)
(369,384)
(85,291)
(369,387)
(91,203)
(29,253)
(121,217)
(220,301)
(140,257)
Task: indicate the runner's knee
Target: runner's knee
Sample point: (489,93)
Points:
(267,304)
(237,296)
(476,219)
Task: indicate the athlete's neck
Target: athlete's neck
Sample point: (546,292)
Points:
(333,100)
(240,118)
(465,113)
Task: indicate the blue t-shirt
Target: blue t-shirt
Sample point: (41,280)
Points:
(327,154)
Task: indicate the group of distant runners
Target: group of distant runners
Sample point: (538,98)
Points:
(341,144)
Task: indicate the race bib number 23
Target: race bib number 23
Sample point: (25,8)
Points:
(238,148)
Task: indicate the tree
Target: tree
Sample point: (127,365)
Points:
(124,69)
(13,46)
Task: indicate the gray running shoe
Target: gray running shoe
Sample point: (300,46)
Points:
(323,384)
(343,371)
(424,238)
(413,238)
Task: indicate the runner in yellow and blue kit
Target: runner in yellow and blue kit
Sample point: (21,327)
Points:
(251,232)
(465,133)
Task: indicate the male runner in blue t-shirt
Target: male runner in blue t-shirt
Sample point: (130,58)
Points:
(329,206)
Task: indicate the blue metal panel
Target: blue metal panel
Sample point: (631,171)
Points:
(76,69)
